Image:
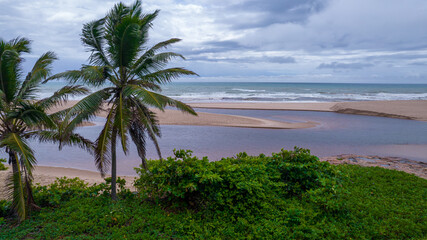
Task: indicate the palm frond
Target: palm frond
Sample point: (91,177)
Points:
(137,133)
(147,121)
(154,63)
(26,155)
(166,75)
(151,98)
(31,114)
(61,96)
(41,70)
(121,121)
(85,109)
(93,38)
(89,75)
(102,144)
(153,50)
(125,42)
(68,139)
(10,71)
(16,188)
(20,44)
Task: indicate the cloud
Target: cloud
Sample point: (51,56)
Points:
(266,13)
(384,40)
(337,65)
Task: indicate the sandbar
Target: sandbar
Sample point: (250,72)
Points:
(403,109)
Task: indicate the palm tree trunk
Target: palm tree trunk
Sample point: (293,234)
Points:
(113,165)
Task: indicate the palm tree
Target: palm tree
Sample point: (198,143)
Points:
(23,117)
(132,75)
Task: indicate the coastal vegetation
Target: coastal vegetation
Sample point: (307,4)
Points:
(23,117)
(288,195)
(132,74)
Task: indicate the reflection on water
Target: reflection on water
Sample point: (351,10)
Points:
(337,134)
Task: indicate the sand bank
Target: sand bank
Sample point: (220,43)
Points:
(405,109)
(416,110)
(174,117)
(408,109)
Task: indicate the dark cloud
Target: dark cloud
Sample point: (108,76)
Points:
(337,65)
(216,47)
(419,63)
(275,11)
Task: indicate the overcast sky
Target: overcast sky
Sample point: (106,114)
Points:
(366,41)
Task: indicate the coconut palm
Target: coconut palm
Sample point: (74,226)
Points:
(132,75)
(22,117)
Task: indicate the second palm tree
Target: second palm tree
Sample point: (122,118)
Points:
(132,75)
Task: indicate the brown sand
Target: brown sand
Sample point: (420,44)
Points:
(411,109)
(174,117)
(47,175)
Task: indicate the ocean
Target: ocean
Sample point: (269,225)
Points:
(279,92)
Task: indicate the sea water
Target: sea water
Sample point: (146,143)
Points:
(278,92)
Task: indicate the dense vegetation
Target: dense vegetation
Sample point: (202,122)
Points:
(289,195)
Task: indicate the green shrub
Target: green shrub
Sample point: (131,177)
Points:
(379,203)
(240,185)
(64,189)
(2,166)
(5,208)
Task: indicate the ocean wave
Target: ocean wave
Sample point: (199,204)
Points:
(247,90)
(275,93)
(298,97)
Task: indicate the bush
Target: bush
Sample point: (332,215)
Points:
(2,166)
(240,185)
(380,203)
(64,189)
(5,208)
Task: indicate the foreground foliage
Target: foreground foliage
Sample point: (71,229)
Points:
(235,198)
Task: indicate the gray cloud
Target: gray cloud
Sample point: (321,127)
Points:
(272,12)
(263,59)
(337,65)
(251,38)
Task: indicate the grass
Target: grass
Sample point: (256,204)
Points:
(377,203)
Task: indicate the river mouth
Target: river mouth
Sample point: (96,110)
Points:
(336,134)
